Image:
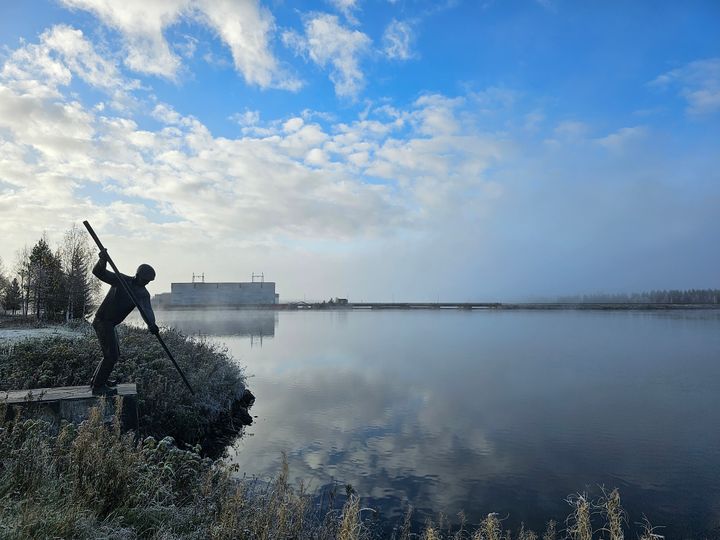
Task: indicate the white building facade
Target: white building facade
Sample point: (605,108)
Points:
(203,294)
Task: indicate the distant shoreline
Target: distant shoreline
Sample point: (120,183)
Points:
(464,306)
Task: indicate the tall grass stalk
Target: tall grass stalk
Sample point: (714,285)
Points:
(615,515)
(579,525)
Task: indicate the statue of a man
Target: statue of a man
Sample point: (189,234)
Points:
(114,308)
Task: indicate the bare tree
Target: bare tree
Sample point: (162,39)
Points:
(22,269)
(3,277)
(77,260)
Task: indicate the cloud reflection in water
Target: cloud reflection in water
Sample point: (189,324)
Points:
(506,412)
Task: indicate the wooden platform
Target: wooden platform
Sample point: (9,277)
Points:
(71,403)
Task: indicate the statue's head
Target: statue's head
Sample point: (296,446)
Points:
(144,275)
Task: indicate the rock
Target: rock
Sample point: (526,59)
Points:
(247,399)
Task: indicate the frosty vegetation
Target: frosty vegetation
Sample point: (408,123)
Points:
(210,418)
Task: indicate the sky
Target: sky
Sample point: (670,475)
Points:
(389,150)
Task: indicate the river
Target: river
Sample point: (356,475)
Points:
(485,411)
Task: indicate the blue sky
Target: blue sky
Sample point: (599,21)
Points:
(410,149)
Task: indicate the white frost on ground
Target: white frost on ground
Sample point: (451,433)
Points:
(17,334)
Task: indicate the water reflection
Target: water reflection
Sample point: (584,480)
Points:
(505,412)
(254,324)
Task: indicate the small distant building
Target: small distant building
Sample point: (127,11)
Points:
(228,294)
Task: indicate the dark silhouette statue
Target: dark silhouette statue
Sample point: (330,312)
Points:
(114,308)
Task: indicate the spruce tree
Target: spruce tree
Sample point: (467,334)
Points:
(12,297)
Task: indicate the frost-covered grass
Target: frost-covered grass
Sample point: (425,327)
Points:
(91,481)
(166,407)
(19,321)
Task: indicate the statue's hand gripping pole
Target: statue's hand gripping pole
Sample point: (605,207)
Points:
(129,292)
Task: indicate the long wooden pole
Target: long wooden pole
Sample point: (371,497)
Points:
(129,292)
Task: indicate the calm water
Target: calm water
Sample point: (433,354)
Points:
(507,412)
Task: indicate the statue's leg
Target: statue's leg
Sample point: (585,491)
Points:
(111,352)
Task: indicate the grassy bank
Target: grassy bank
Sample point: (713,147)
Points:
(213,416)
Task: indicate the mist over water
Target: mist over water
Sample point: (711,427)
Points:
(504,412)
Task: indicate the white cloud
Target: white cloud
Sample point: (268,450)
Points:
(568,132)
(698,82)
(141,24)
(293,125)
(36,121)
(347,8)
(397,40)
(188,47)
(619,140)
(246,118)
(533,120)
(327,42)
(39,69)
(244,26)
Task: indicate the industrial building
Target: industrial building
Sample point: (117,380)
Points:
(199,293)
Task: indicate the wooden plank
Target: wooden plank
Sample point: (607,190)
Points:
(71,403)
(60,393)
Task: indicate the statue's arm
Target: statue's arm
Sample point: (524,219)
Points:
(146,305)
(101,272)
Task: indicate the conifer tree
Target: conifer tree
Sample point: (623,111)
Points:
(46,282)
(12,297)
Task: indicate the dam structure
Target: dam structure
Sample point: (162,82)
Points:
(202,294)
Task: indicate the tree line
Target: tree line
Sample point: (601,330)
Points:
(52,284)
(673,296)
